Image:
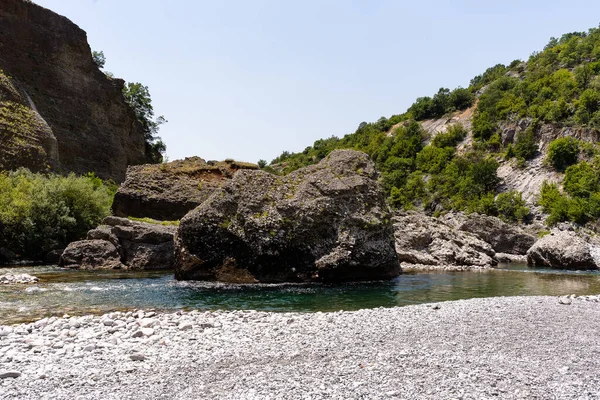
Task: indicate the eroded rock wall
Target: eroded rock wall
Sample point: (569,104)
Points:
(72,103)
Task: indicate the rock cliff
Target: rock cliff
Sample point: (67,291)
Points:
(58,111)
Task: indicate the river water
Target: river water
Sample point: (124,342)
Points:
(78,292)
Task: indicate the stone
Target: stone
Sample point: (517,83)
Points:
(138,245)
(503,238)
(11,279)
(169,191)
(147,331)
(565,250)
(9,374)
(91,254)
(421,239)
(53,257)
(325,222)
(6,256)
(564,300)
(137,357)
(76,116)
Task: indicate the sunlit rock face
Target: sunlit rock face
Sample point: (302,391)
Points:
(325,222)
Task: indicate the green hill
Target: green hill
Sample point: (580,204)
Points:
(546,109)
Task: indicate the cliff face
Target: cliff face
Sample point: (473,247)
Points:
(77,117)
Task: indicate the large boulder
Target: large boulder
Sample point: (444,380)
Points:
(503,237)
(91,254)
(169,191)
(135,245)
(421,239)
(325,222)
(565,250)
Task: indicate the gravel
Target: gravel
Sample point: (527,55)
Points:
(507,348)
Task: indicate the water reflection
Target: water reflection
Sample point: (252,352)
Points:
(78,292)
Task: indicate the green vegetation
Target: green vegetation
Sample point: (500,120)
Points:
(99,58)
(559,85)
(138,97)
(580,201)
(40,213)
(563,152)
(154,221)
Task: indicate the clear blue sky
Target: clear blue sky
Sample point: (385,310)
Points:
(248,79)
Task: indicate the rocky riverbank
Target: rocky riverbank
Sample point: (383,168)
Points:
(469,349)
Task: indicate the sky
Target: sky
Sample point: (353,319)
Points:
(248,79)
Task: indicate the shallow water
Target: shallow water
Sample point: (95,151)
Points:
(78,292)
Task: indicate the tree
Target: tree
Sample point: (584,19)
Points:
(138,98)
(563,152)
(262,163)
(99,58)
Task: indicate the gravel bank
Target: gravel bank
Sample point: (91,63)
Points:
(514,347)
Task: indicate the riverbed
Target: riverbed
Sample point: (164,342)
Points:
(71,292)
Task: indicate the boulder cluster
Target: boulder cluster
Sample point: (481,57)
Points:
(328,222)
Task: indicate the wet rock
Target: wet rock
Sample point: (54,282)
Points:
(9,279)
(91,254)
(53,257)
(565,250)
(325,222)
(6,256)
(421,239)
(138,245)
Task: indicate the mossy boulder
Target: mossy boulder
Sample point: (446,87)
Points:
(326,222)
(169,191)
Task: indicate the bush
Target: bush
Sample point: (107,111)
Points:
(563,152)
(511,206)
(41,213)
(451,138)
(525,145)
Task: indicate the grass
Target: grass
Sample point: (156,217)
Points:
(154,221)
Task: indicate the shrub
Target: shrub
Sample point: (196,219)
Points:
(525,145)
(563,152)
(511,206)
(41,213)
(451,138)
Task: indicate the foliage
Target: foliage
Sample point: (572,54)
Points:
(99,58)
(154,221)
(443,102)
(525,145)
(40,213)
(511,206)
(262,163)
(138,98)
(563,152)
(580,201)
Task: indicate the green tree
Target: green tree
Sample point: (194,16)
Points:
(139,99)
(99,58)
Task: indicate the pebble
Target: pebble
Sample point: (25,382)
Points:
(465,349)
(9,374)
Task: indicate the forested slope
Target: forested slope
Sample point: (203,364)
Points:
(536,120)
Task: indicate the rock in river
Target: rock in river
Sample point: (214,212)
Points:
(421,239)
(122,243)
(564,250)
(325,222)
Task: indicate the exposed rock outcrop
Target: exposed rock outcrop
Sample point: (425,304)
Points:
(565,250)
(325,222)
(430,241)
(122,244)
(503,237)
(169,191)
(57,109)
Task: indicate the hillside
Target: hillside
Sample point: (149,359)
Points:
(58,111)
(520,142)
